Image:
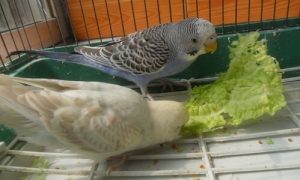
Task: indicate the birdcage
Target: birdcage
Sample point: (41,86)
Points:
(269,150)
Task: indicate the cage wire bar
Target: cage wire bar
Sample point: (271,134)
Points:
(22,24)
(6,21)
(16,25)
(35,23)
(108,31)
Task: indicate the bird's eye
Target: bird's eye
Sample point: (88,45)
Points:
(194,40)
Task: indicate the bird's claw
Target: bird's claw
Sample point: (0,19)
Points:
(116,165)
(188,83)
(166,84)
(108,171)
(170,84)
(149,97)
(93,169)
(146,94)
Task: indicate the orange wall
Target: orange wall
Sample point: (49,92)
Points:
(35,42)
(177,13)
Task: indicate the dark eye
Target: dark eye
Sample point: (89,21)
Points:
(194,40)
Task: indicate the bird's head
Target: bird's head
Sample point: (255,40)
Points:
(168,117)
(196,36)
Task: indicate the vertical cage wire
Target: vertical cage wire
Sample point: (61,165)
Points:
(209,10)
(158,11)
(41,6)
(109,25)
(236,15)
(287,13)
(121,16)
(5,48)
(22,24)
(170,11)
(223,16)
(2,63)
(186,8)
(109,21)
(58,23)
(84,22)
(146,13)
(248,17)
(35,23)
(97,20)
(261,13)
(133,15)
(71,24)
(274,14)
(9,29)
(16,25)
(183,9)
(197,8)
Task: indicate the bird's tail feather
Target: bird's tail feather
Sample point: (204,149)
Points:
(10,118)
(6,80)
(63,56)
(11,112)
(49,54)
(78,59)
(22,119)
(30,131)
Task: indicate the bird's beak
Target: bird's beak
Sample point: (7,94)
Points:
(212,47)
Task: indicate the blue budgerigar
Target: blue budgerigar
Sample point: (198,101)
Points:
(146,55)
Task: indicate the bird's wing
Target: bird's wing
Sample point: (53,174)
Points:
(85,120)
(85,123)
(23,119)
(144,52)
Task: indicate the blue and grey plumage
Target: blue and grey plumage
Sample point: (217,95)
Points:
(153,53)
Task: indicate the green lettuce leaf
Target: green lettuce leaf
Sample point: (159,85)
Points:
(251,87)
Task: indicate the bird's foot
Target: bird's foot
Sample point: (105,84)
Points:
(122,159)
(187,82)
(149,97)
(146,95)
(93,169)
(168,83)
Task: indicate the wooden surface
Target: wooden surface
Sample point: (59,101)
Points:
(162,14)
(34,41)
(18,18)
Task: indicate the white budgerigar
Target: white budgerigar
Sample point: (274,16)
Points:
(94,119)
(147,55)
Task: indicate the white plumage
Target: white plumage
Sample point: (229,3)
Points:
(97,120)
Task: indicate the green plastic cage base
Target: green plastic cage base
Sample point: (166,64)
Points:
(6,134)
(283,44)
